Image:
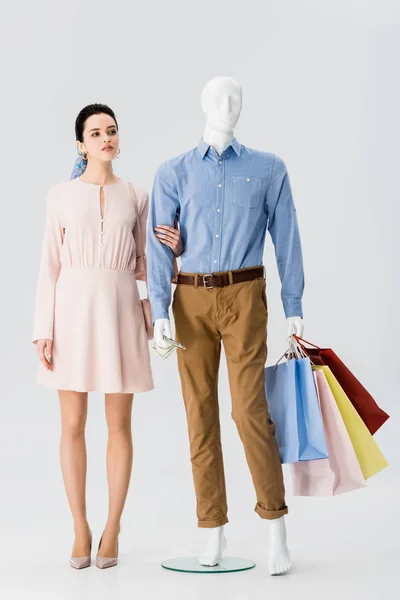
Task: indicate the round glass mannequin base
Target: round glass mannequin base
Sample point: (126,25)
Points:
(190,564)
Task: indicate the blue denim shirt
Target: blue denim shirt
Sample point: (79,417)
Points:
(224,205)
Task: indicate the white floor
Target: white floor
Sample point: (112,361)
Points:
(336,568)
(317,575)
(344,548)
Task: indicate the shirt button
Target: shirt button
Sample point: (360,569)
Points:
(215,261)
(219,185)
(247,179)
(212,147)
(217,235)
(220,162)
(218,210)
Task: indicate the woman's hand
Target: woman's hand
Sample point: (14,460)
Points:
(43,348)
(170,236)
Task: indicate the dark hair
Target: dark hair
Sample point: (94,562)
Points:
(88,111)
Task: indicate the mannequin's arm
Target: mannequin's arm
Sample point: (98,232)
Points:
(284,231)
(164,209)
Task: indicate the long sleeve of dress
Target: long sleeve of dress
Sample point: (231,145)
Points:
(50,266)
(284,231)
(139,234)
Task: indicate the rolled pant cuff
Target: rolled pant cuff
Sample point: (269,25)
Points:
(271,514)
(213,523)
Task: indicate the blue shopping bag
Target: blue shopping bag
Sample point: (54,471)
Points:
(294,409)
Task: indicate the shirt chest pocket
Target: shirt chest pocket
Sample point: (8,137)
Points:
(246,191)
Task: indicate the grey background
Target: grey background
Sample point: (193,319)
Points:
(321,89)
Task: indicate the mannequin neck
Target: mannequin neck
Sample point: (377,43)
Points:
(217,139)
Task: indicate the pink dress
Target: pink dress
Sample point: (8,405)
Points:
(87,298)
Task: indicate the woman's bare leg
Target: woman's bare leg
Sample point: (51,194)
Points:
(73,463)
(119,466)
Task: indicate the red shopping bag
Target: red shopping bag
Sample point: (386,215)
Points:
(373,416)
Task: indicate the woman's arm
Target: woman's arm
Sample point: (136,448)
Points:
(139,234)
(170,236)
(50,266)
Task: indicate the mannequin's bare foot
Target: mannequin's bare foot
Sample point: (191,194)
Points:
(279,557)
(215,548)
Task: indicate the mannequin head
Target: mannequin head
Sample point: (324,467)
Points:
(221,100)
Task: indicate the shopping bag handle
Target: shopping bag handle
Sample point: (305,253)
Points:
(295,351)
(294,343)
(297,348)
(299,339)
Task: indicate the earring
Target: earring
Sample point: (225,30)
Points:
(119,152)
(84,155)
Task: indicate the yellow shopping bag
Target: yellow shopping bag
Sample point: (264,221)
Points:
(367,451)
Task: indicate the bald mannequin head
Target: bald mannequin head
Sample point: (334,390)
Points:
(221,101)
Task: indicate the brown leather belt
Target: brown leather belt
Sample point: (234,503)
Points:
(211,280)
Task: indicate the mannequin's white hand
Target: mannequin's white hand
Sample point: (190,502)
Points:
(295,326)
(162,327)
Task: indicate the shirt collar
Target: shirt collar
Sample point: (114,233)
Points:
(204,147)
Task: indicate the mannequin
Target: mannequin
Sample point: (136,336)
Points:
(221,102)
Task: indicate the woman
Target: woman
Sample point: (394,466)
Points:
(89,329)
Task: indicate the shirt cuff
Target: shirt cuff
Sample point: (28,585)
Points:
(159,311)
(292,307)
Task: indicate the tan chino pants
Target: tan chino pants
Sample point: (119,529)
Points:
(236,314)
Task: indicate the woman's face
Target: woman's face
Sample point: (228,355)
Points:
(100,138)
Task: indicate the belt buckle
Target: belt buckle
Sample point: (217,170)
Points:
(208,287)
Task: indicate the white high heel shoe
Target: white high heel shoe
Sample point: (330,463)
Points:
(80,562)
(104,562)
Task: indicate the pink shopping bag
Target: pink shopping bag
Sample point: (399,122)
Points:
(340,472)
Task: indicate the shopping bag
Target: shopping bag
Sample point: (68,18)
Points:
(372,415)
(294,409)
(339,473)
(368,454)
